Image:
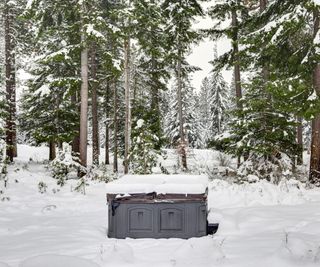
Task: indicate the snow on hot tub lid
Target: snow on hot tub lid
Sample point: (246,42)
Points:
(159,183)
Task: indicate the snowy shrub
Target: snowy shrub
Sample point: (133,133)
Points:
(224,160)
(25,166)
(101,173)
(65,166)
(81,186)
(272,169)
(42,186)
(143,156)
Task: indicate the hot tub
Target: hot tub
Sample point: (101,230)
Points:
(157,206)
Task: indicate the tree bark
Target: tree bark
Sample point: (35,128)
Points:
(263,5)
(127,133)
(76,139)
(84,100)
(236,62)
(10,82)
(182,145)
(95,126)
(300,141)
(52,150)
(155,105)
(237,74)
(314,175)
(107,156)
(115,125)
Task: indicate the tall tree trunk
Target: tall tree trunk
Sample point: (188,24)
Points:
(52,150)
(155,106)
(10,82)
(263,5)
(95,126)
(127,104)
(115,125)
(237,75)
(76,139)
(84,100)
(265,69)
(182,145)
(314,175)
(300,141)
(107,156)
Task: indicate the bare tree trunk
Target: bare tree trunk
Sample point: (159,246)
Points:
(300,141)
(182,145)
(314,175)
(95,126)
(52,150)
(76,139)
(10,75)
(127,134)
(155,105)
(84,100)
(115,125)
(265,70)
(263,5)
(237,75)
(107,156)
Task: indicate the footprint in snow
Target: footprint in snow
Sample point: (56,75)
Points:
(48,208)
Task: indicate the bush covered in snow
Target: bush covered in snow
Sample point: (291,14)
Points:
(65,166)
(143,156)
(272,169)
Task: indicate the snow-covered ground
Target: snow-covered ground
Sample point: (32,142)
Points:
(260,225)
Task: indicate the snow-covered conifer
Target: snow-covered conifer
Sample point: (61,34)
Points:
(143,155)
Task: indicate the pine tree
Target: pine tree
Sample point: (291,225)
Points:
(143,156)
(192,126)
(49,113)
(152,64)
(181,14)
(284,42)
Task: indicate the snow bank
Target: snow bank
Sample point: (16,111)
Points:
(57,261)
(224,195)
(161,184)
(202,252)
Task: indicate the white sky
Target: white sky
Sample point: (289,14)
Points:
(203,53)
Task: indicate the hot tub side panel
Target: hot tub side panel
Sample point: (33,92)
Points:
(158,220)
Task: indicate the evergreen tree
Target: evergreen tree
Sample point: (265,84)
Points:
(153,61)
(219,103)
(282,40)
(192,126)
(181,14)
(143,156)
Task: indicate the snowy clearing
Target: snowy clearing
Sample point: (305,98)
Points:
(260,224)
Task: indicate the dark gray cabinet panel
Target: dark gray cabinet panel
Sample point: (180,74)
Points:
(157,220)
(140,219)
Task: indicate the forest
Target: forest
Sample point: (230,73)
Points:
(98,94)
(114,75)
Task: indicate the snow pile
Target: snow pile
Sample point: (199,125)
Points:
(222,194)
(57,260)
(202,252)
(161,184)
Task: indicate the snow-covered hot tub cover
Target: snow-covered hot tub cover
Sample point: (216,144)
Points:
(157,206)
(159,184)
